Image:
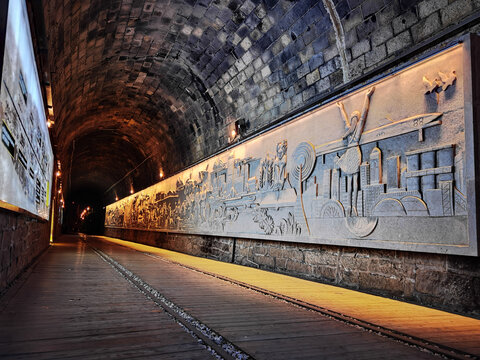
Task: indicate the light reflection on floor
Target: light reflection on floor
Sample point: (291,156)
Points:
(455,331)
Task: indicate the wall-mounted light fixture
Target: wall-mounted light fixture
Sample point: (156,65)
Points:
(85,212)
(236,130)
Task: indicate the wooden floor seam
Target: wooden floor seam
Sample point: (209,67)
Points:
(107,298)
(442,332)
(411,340)
(200,331)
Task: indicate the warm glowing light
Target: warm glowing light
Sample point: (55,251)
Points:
(88,208)
(116,198)
(387,313)
(58,173)
(59,191)
(234,133)
(131,191)
(50,123)
(161,174)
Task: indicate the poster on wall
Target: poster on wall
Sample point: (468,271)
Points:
(389,165)
(26,157)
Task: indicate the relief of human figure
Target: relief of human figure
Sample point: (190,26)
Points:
(350,161)
(279,166)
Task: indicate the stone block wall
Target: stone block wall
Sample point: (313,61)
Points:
(199,66)
(299,52)
(447,282)
(212,247)
(22,239)
(451,283)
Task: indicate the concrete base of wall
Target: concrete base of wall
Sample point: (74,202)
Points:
(22,239)
(447,282)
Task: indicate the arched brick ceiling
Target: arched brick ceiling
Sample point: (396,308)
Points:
(166,77)
(91,171)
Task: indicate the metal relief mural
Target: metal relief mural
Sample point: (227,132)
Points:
(383,167)
(26,158)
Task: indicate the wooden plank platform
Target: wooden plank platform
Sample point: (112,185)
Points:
(90,300)
(73,305)
(450,330)
(263,327)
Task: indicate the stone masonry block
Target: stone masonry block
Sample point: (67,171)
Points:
(387,14)
(427,7)
(268,104)
(455,11)
(317,257)
(265,262)
(327,68)
(298,267)
(308,93)
(354,3)
(399,42)
(246,44)
(350,38)
(357,66)
(382,34)
(313,77)
(303,70)
(266,72)
(297,101)
(366,28)
(285,106)
(336,78)
(360,48)
(403,22)
(257,63)
(330,52)
(315,61)
(376,55)
(306,54)
(326,273)
(355,17)
(380,283)
(323,85)
(427,281)
(370,7)
(426,27)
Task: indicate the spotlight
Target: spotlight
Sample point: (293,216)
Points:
(236,130)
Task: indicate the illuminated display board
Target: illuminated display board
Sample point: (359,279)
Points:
(26,157)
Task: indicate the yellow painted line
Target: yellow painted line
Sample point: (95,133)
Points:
(425,323)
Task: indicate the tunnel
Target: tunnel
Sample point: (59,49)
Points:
(333,142)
